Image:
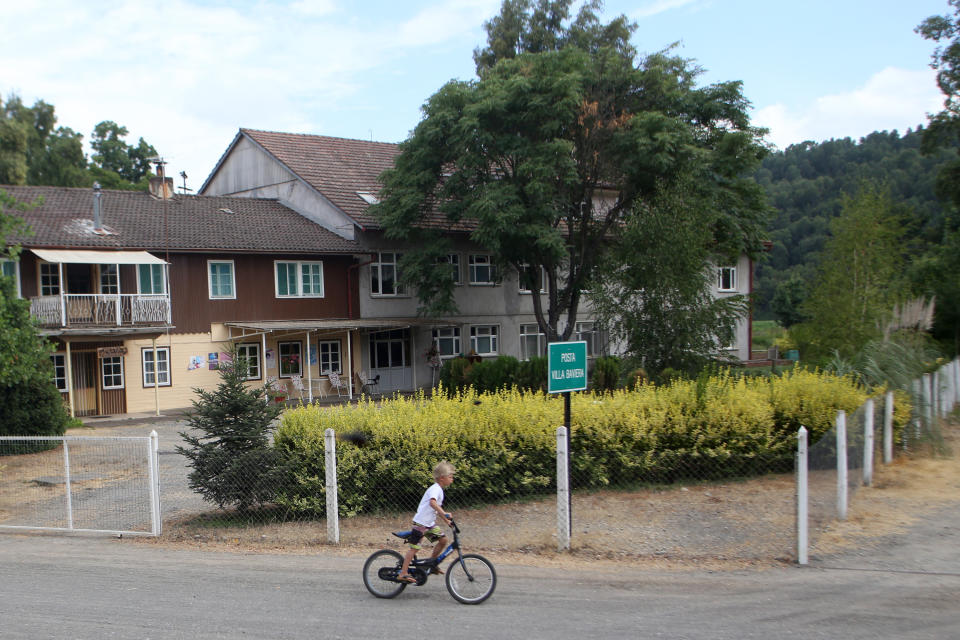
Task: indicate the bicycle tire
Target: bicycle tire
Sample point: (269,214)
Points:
(474,585)
(380,562)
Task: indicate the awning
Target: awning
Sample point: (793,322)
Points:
(338,324)
(78,256)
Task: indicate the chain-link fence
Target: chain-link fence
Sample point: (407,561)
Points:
(79,484)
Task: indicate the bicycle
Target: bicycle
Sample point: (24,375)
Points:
(470,578)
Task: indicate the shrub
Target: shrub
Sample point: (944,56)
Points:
(606,374)
(32,408)
(532,374)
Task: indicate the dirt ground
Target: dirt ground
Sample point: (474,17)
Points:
(726,526)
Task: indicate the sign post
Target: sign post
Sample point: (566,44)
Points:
(566,372)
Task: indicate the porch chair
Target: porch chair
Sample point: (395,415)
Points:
(368,385)
(337,383)
(296,385)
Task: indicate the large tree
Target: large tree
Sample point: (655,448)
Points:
(115,163)
(557,144)
(33,150)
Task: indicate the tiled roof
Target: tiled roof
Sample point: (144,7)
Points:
(340,169)
(138,220)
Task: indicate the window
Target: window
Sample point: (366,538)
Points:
(112,368)
(151,280)
(483,339)
(291,360)
(59,371)
(11,269)
(384,274)
(532,342)
(49,279)
(453,259)
(389,349)
(152,375)
(220,279)
(330,356)
(250,352)
(585,331)
(523,277)
(447,341)
(482,270)
(109,282)
(299,279)
(727,278)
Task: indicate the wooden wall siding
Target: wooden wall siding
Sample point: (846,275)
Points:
(194,311)
(114,402)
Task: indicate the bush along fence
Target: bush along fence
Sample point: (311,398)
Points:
(653,471)
(830,470)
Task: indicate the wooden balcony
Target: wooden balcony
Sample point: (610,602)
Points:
(100,310)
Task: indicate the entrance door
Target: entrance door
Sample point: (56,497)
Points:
(390,359)
(84,364)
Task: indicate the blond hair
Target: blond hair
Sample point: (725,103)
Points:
(443,469)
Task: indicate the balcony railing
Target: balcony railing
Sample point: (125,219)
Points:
(101,310)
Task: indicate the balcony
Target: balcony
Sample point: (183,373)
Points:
(86,310)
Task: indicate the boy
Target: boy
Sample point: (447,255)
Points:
(425,520)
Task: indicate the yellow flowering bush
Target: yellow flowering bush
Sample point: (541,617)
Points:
(503,444)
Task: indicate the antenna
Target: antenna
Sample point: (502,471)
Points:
(184,188)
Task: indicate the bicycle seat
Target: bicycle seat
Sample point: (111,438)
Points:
(403,534)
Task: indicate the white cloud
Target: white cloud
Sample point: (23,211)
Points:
(891,99)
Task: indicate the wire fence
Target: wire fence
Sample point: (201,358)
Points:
(664,503)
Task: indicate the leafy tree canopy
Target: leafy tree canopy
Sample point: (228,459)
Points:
(34,151)
(552,150)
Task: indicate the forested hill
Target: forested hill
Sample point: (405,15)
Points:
(806,182)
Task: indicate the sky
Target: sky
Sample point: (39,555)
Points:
(186,75)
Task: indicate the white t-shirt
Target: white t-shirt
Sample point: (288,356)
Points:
(426,516)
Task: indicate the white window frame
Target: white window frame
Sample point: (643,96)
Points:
(489,332)
(250,351)
(164,370)
(453,260)
(15,273)
(479,263)
(108,279)
(59,367)
(300,266)
(153,269)
(280,356)
(521,285)
(532,331)
(731,273)
(49,279)
(328,351)
(114,361)
(587,332)
(447,336)
(386,260)
(210,280)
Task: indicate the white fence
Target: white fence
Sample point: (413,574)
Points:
(829,471)
(80,484)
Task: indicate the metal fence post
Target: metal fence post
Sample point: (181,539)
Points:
(153,477)
(927,391)
(563,492)
(330,462)
(66,483)
(868,442)
(841,465)
(802,497)
(888,428)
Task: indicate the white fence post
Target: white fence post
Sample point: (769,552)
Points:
(802,497)
(66,483)
(153,477)
(563,492)
(868,442)
(888,428)
(333,510)
(927,391)
(841,465)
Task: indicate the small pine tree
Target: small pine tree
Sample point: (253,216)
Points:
(232,459)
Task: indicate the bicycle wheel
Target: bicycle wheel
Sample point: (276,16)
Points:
(380,571)
(472,579)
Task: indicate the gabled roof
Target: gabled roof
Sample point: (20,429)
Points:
(344,171)
(137,220)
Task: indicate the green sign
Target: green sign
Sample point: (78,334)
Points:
(567,366)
